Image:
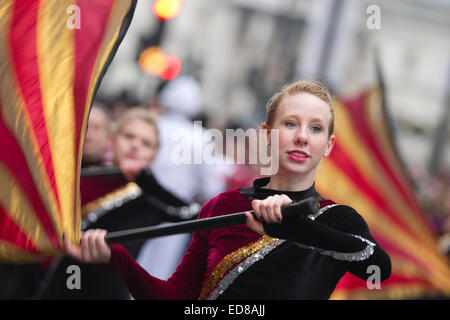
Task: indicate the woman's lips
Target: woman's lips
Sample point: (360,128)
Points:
(131,156)
(298,155)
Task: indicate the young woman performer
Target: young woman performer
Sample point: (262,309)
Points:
(271,257)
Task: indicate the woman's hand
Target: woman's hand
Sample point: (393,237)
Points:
(268,210)
(93,247)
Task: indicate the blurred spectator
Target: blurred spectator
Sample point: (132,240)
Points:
(97,134)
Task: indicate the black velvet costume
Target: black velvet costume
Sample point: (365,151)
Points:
(311,262)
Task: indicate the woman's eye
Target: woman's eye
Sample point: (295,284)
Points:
(290,124)
(127,136)
(317,129)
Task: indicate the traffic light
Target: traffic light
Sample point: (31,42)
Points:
(152,59)
(172,69)
(166,9)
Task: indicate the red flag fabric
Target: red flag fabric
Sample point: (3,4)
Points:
(364,171)
(53,55)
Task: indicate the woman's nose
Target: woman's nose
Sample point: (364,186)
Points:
(135,144)
(301,137)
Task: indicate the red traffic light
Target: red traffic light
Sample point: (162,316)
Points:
(155,62)
(172,69)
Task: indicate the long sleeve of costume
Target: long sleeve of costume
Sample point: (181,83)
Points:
(348,240)
(184,284)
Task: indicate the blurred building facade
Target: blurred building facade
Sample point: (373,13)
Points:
(243,50)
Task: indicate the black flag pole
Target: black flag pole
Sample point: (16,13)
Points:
(100,172)
(306,206)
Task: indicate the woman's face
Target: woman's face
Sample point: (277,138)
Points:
(137,140)
(302,121)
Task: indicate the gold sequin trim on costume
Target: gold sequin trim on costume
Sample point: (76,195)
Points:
(232,265)
(94,209)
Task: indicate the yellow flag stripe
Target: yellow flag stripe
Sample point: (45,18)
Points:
(55,42)
(406,268)
(16,254)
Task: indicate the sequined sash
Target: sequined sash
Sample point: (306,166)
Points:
(236,263)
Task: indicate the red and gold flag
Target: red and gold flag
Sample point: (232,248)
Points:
(53,55)
(365,172)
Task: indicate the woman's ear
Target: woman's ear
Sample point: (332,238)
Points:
(266,127)
(330,144)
